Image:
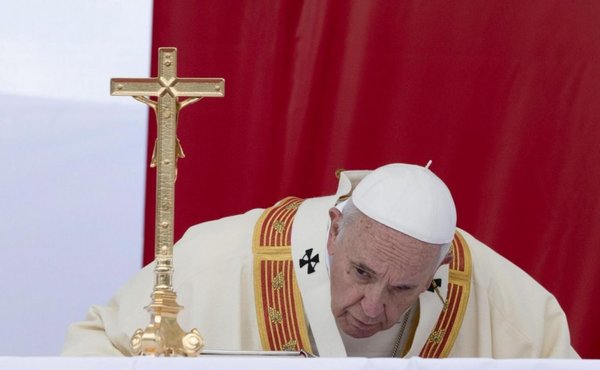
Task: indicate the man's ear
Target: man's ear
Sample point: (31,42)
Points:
(335,215)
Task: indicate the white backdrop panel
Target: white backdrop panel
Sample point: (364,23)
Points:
(73,162)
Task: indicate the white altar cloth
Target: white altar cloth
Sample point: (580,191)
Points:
(270,363)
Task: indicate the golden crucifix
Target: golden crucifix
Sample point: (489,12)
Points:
(164,336)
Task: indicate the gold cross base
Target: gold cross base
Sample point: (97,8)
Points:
(164,336)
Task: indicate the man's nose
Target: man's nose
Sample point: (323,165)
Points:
(372,303)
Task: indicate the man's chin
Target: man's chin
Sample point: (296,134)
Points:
(358,331)
(359,334)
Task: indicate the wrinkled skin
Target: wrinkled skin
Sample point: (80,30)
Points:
(377,273)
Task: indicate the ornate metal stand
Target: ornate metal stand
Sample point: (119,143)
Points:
(164,336)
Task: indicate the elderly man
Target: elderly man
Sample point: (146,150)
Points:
(379,269)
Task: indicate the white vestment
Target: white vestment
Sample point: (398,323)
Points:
(508,314)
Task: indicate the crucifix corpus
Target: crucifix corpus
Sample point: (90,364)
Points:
(164,336)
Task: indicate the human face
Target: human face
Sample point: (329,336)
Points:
(377,273)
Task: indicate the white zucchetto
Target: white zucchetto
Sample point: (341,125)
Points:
(410,199)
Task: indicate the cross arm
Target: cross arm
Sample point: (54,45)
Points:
(135,87)
(200,87)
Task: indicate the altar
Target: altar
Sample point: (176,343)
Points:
(269,363)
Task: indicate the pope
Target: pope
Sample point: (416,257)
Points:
(377,270)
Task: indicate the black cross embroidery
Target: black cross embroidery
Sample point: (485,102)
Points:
(436,283)
(308,260)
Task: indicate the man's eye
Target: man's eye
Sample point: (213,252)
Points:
(402,289)
(362,273)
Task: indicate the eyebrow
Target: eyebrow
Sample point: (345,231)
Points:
(405,286)
(362,266)
(366,268)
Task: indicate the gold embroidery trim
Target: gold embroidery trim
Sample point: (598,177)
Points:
(436,336)
(446,329)
(278,302)
(275,316)
(290,346)
(278,281)
(279,226)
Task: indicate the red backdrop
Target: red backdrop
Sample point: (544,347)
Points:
(503,96)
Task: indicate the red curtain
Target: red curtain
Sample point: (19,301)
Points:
(503,96)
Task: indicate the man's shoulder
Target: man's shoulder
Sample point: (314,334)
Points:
(522,317)
(226,226)
(506,287)
(211,242)
(490,267)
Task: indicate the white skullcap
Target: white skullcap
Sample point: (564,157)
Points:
(410,199)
